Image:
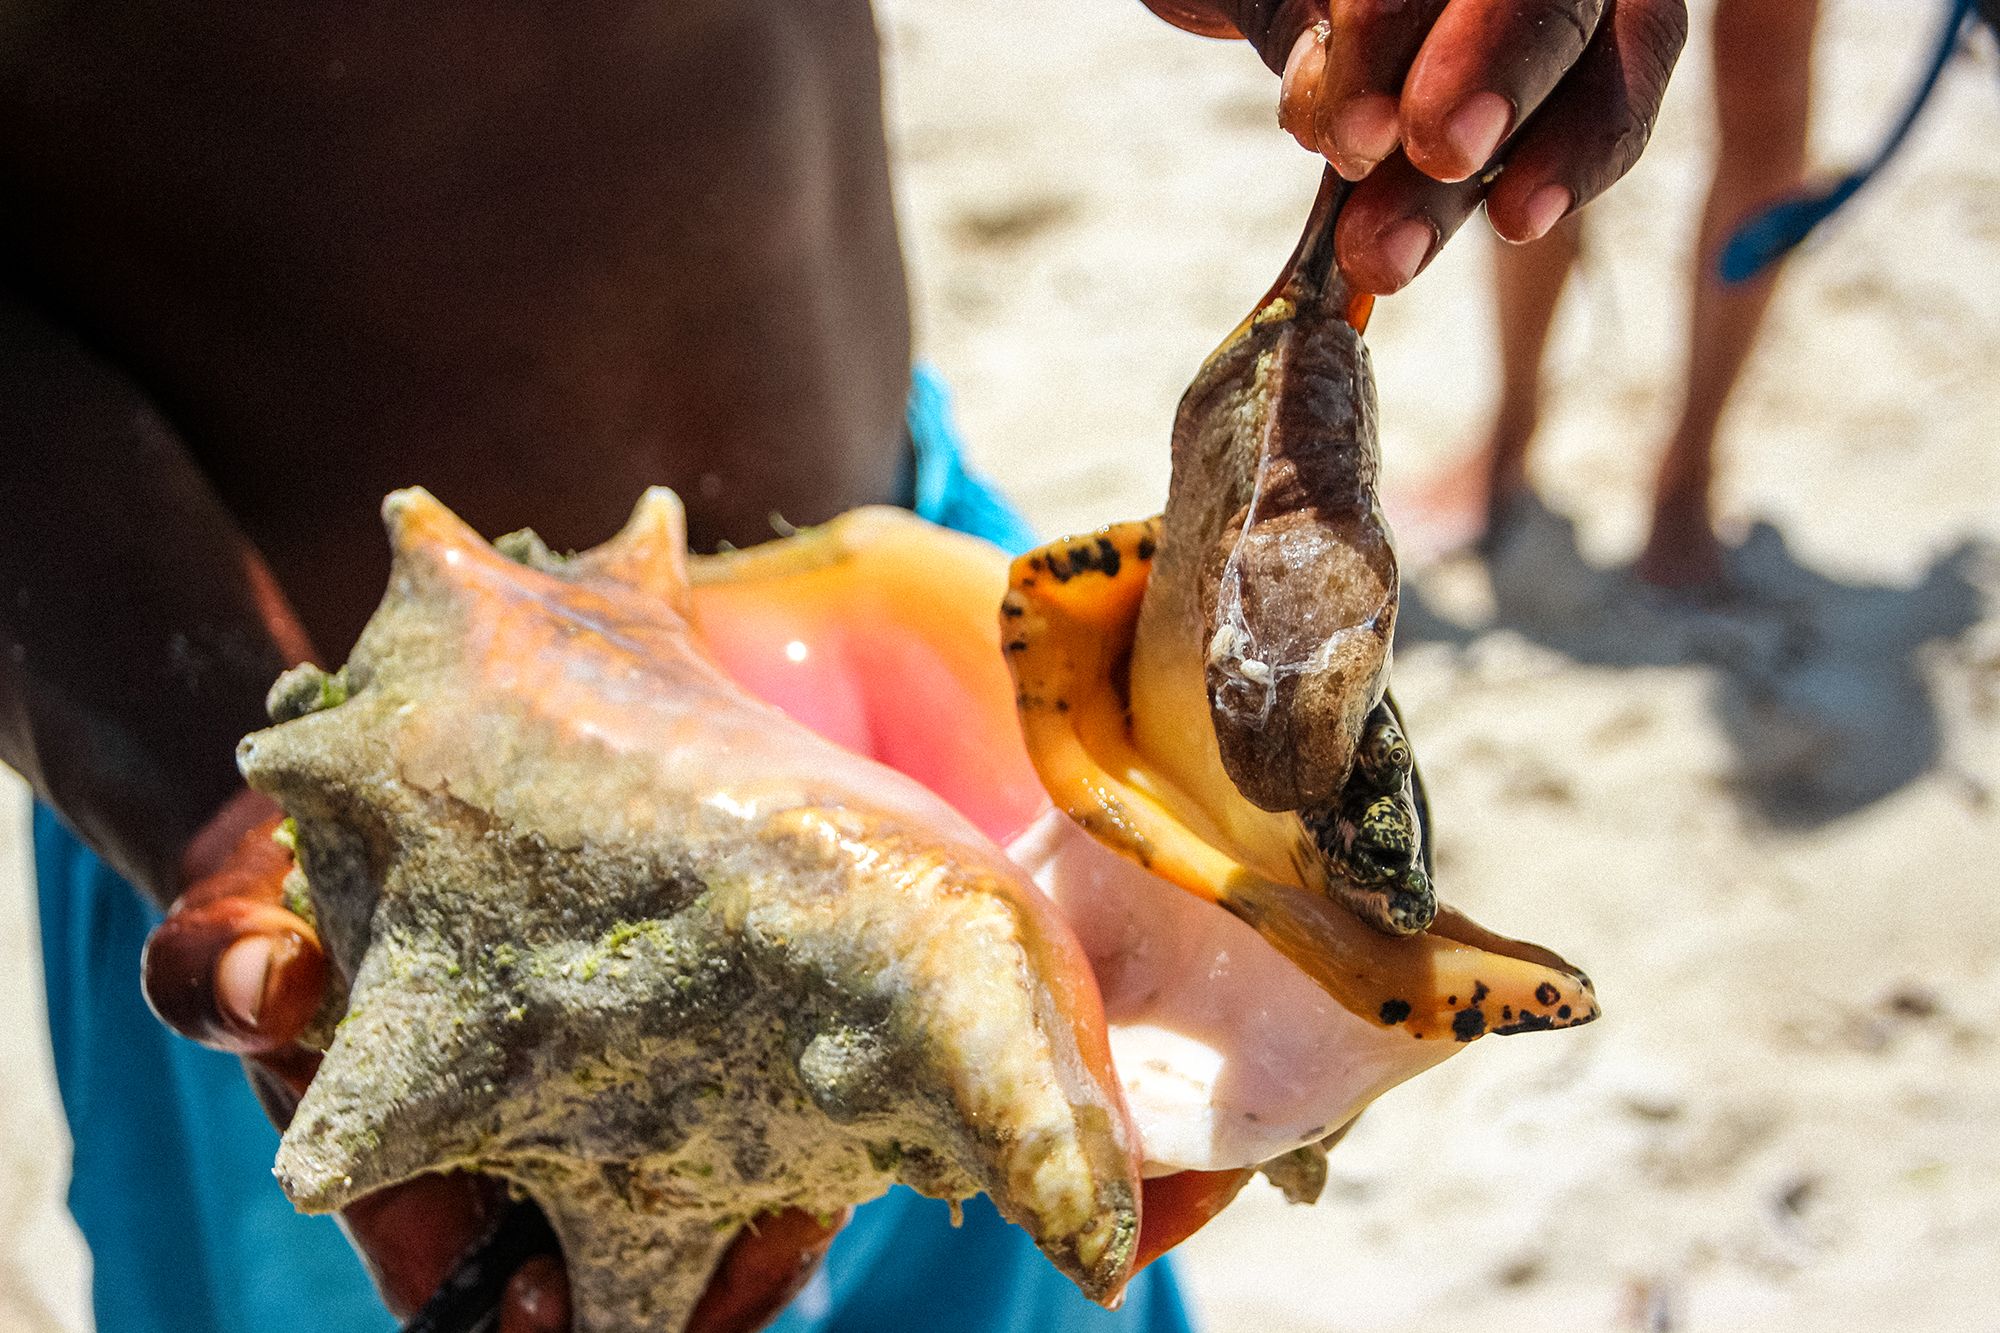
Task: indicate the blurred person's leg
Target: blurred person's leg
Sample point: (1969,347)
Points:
(1763,56)
(1528,281)
(1467,505)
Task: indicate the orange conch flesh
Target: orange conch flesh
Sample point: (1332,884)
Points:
(1069,621)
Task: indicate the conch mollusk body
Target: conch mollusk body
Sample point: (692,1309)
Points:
(1262,604)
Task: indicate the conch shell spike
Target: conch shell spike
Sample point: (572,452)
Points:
(650,551)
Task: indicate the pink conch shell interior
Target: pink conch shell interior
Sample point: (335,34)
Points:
(878,632)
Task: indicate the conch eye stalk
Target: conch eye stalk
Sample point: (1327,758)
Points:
(1206,692)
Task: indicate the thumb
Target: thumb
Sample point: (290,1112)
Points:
(235,975)
(1271,26)
(230,967)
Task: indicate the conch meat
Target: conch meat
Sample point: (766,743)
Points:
(680,891)
(1206,692)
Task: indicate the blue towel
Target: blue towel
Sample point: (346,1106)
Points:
(189,1233)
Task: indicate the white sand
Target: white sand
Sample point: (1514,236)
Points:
(1768,832)
(44,1273)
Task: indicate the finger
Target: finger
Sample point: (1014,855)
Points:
(1369,49)
(1298,93)
(1273,27)
(1177,1206)
(1484,68)
(1395,222)
(411,1236)
(280,1078)
(1202,17)
(537,1299)
(236,860)
(226,831)
(235,974)
(762,1270)
(1591,130)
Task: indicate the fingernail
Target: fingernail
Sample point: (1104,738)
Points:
(1308,41)
(1364,132)
(1546,207)
(1477,127)
(538,1295)
(240,977)
(1405,246)
(1300,86)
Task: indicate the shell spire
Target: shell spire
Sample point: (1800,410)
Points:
(420,527)
(650,552)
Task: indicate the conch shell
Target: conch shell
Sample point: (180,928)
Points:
(622,934)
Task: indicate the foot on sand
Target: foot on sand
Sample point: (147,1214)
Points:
(1682,555)
(1469,506)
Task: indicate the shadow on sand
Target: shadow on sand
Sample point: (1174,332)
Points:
(1819,685)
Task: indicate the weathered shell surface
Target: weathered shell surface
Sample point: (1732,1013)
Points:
(619,933)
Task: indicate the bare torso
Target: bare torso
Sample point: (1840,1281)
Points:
(532,256)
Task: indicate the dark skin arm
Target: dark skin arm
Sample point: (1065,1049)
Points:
(132,733)
(535,259)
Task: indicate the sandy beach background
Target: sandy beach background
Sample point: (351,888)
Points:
(1767,829)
